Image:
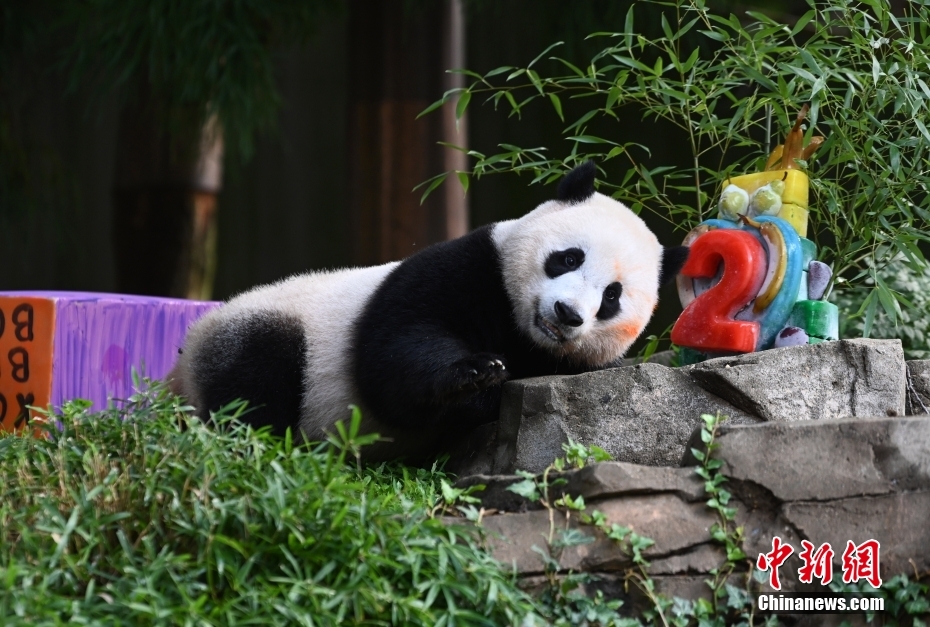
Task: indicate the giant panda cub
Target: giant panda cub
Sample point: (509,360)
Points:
(422,346)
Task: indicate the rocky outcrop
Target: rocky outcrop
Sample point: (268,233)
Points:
(811,382)
(641,414)
(645,413)
(918,387)
(825,481)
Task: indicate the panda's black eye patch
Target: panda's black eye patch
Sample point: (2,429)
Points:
(610,302)
(563,261)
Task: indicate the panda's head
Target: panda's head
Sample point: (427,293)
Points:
(583,272)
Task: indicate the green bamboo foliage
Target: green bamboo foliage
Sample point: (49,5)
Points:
(731,86)
(192,59)
(146,516)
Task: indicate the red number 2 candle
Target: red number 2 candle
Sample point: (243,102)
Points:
(707,324)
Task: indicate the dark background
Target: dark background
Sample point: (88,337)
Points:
(340,156)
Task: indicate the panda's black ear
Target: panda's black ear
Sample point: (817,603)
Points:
(672,261)
(578,185)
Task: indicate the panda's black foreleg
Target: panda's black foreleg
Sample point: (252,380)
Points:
(473,374)
(421,378)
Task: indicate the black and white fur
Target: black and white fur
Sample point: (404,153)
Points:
(423,345)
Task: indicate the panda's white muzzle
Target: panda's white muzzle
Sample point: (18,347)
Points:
(549,329)
(566,325)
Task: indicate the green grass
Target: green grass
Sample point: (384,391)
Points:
(146,516)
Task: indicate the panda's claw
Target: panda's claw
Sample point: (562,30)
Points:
(477,373)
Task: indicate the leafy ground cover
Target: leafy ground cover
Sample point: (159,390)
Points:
(146,516)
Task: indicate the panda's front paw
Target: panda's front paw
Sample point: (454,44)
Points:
(477,373)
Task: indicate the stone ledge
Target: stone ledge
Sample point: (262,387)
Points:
(644,414)
(918,387)
(823,481)
(829,459)
(598,481)
(677,527)
(635,601)
(860,377)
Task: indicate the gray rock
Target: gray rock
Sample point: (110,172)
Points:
(496,495)
(918,387)
(673,524)
(826,481)
(635,601)
(644,414)
(827,380)
(830,459)
(897,521)
(595,482)
(701,559)
(641,414)
(612,479)
(663,358)
(677,527)
(511,538)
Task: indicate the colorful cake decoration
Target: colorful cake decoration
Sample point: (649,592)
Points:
(752,281)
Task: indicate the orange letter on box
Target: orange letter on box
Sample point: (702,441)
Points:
(27,331)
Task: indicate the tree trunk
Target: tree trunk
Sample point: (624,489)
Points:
(164,227)
(397,63)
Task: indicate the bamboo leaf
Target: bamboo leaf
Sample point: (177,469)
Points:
(465,72)
(871,306)
(557,105)
(667,29)
(802,23)
(923,129)
(628,28)
(463,180)
(613,94)
(689,63)
(573,68)
(534,78)
(715,35)
(513,103)
(543,53)
(433,107)
(888,301)
(436,182)
(582,121)
(462,104)
(498,70)
(590,139)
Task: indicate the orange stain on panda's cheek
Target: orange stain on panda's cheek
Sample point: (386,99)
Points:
(629,269)
(628,331)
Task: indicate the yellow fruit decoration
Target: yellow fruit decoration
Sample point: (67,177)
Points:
(781,178)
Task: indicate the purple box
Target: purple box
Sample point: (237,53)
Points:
(58,346)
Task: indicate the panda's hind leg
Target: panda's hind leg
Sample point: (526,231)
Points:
(258,357)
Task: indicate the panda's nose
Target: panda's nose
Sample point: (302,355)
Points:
(567,315)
